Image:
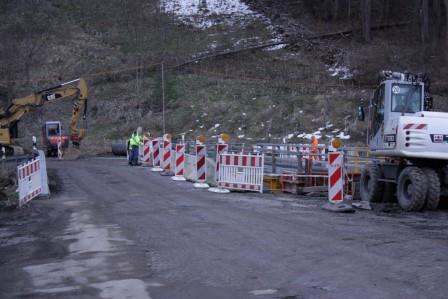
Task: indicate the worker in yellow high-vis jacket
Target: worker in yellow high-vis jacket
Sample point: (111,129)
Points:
(134,144)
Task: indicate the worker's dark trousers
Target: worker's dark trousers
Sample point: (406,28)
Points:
(134,155)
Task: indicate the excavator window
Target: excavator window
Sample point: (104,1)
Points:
(406,98)
(378,110)
(53,130)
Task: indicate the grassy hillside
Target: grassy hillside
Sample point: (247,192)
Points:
(118,47)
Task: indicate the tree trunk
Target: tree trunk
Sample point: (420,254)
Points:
(446,27)
(328,10)
(425,22)
(437,11)
(366,19)
(386,11)
(349,9)
(335,9)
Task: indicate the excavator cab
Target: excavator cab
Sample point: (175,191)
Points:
(52,134)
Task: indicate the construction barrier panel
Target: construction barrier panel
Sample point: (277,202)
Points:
(221,148)
(190,169)
(241,172)
(166,163)
(179,168)
(200,163)
(29,181)
(146,158)
(335,177)
(156,152)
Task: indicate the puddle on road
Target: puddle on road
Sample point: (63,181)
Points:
(96,255)
(92,238)
(263,292)
(122,289)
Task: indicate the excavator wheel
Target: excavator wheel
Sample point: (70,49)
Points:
(371,188)
(433,195)
(412,189)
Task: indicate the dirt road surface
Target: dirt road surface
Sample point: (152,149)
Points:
(114,231)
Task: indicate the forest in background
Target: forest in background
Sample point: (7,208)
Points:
(118,46)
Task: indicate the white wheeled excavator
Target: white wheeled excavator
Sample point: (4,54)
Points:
(408,142)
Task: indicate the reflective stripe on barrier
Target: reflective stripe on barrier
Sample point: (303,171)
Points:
(156,152)
(220,149)
(241,172)
(166,155)
(29,180)
(180,160)
(200,163)
(146,152)
(335,177)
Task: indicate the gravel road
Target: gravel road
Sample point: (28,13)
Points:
(114,231)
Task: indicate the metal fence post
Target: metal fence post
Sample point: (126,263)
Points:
(299,163)
(274,162)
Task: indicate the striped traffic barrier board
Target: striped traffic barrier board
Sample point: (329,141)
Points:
(335,177)
(179,167)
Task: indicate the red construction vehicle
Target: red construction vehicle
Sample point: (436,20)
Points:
(52,134)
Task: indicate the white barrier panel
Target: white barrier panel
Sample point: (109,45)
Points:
(166,162)
(200,163)
(43,174)
(146,160)
(190,169)
(30,181)
(335,177)
(179,163)
(156,154)
(221,148)
(241,172)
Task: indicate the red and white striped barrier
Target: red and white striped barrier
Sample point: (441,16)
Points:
(29,181)
(166,162)
(201,166)
(221,148)
(156,155)
(146,160)
(335,177)
(241,172)
(415,126)
(179,167)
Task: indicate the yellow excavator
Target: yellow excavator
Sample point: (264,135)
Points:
(9,117)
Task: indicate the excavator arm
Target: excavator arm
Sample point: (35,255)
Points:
(76,89)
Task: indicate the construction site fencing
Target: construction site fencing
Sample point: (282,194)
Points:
(241,172)
(293,168)
(32,179)
(211,148)
(299,158)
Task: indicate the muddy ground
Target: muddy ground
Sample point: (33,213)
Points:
(114,231)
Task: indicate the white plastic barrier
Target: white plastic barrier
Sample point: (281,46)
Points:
(190,169)
(43,174)
(29,181)
(146,149)
(241,172)
(335,177)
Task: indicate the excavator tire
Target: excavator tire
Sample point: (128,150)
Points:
(371,188)
(412,189)
(433,195)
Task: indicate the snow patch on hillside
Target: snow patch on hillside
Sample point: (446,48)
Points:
(207,13)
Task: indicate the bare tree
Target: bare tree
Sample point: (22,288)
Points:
(424,29)
(366,22)
(446,22)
